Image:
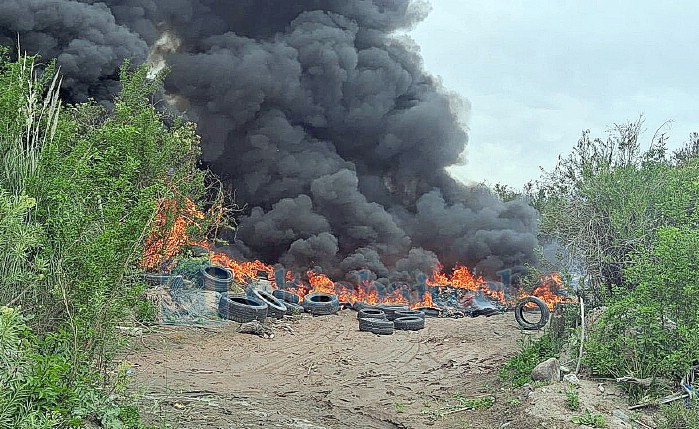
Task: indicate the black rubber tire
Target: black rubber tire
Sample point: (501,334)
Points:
(286,296)
(371,313)
(216,278)
(525,324)
(241,308)
(275,307)
(321,304)
(410,313)
(390,310)
(293,309)
(409,323)
(367,325)
(382,327)
(358,305)
(430,311)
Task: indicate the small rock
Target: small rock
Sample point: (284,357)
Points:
(565,369)
(527,391)
(600,388)
(504,425)
(572,379)
(548,370)
(621,416)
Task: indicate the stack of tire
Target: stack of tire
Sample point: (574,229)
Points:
(256,305)
(385,319)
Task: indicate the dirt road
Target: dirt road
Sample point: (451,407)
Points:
(324,373)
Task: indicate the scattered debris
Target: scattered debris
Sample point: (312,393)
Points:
(256,328)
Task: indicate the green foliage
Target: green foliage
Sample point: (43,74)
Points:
(572,398)
(518,369)
(41,389)
(145,310)
(653,331)
(589,419)
(190,268)
(98,190)
(607,199)
(679,416)
(79,189)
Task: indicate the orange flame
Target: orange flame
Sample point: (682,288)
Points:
(169,237)
(166,241)
(243,271)
(549,290)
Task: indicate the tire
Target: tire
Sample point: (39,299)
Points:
(293,309)
(524,323)
(275,308)
(430,311)
(382,327)
(286,296)
(410,313)
(367,325)
(216,278)
(241,308)
(376,325)
(371,313)
(409,323)
(390,310)
(358,305)
(321,304)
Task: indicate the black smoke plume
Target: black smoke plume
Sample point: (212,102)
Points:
(318,113)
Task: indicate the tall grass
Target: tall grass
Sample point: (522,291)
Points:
(29,112)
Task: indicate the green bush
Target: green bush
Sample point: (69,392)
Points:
(41,389)
(653,331)
(79,190)
(679,416)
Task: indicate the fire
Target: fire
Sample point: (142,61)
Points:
(167,239)
(461,278)
(170,236)
(243,271)
(549,290)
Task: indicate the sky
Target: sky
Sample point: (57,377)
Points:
(538,73)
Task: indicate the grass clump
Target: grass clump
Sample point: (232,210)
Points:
(572,398)
(587,418)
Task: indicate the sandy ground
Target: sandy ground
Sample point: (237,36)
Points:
(322,372)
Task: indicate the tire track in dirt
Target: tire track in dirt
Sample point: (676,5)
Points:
(355,378)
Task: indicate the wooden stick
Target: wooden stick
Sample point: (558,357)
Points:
(582,334)
(665,400)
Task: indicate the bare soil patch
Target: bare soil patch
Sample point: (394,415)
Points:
(322,372)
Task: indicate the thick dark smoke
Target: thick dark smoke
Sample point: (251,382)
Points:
(317,112)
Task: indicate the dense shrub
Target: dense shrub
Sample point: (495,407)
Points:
(79,189)
(41,389)
(653,331)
